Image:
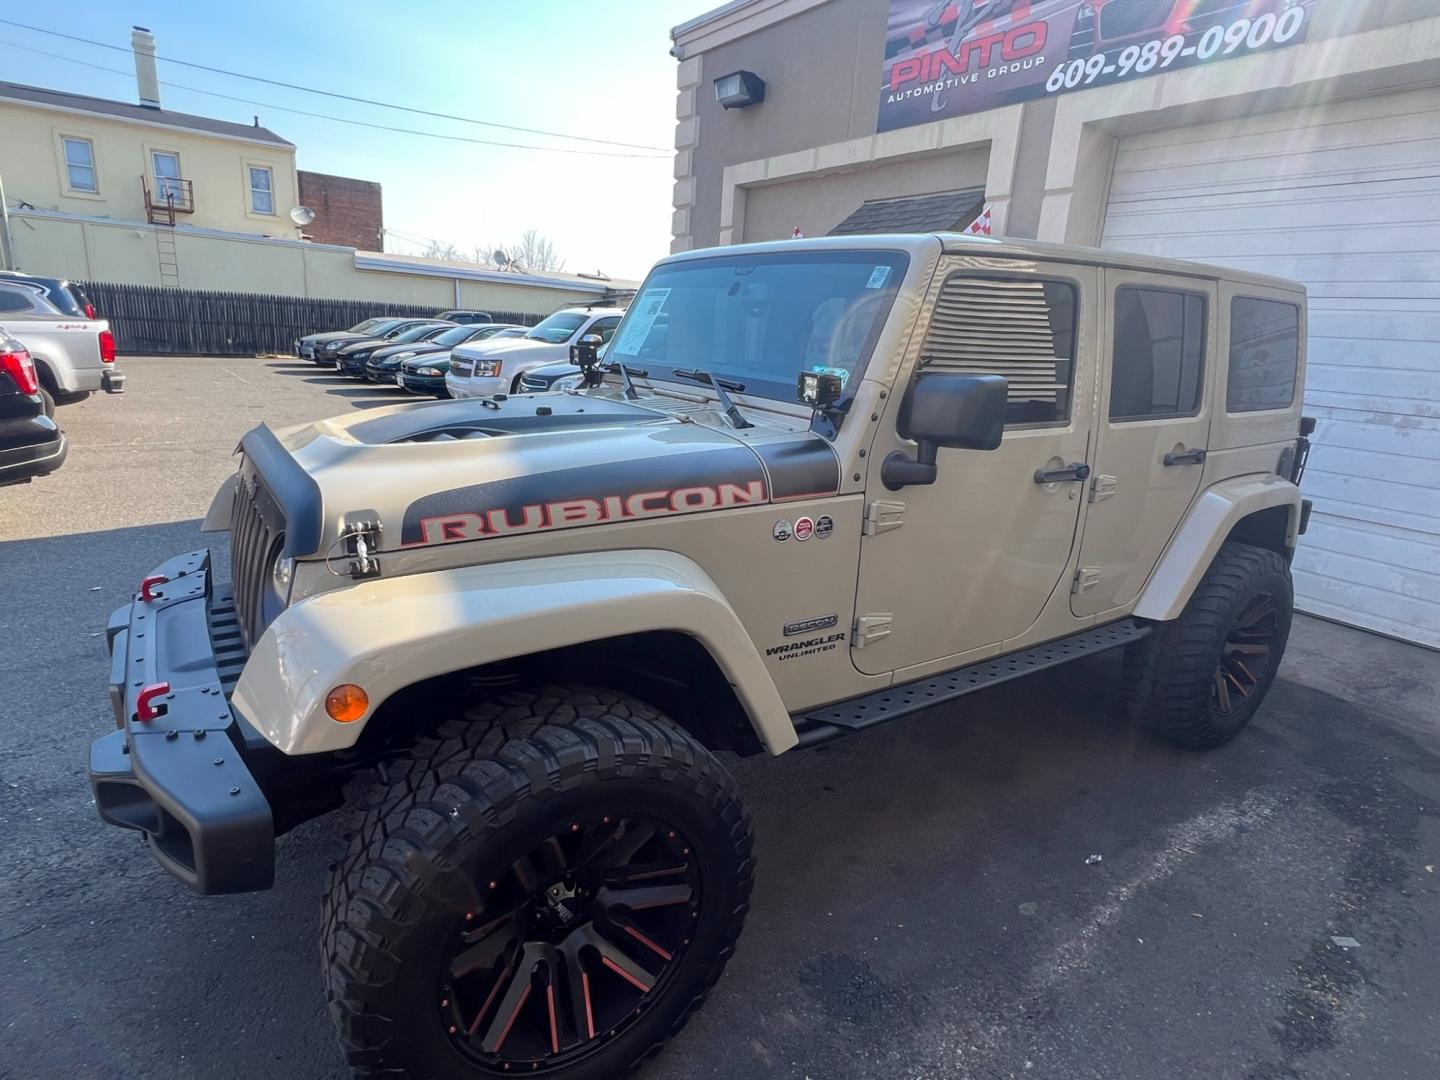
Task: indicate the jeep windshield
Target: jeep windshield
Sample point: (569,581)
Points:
(761,319)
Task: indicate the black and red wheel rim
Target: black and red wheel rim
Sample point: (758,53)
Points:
(571,944)
(1247,654)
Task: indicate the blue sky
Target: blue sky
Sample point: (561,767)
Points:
(561,65)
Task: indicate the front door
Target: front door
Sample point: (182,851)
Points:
(1152,431)
(972,560)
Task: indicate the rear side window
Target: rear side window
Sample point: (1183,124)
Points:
(1264,355)
(14,300)
(1159,363)
(1022,328)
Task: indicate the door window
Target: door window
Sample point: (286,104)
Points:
(1022,328)
(167,176)
(1264,353)
(1159,361)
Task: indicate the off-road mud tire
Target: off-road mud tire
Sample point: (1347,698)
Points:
(518,759)
(1169,676)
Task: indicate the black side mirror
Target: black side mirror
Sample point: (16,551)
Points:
(946,408)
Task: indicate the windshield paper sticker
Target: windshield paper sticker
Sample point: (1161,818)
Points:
(878,277)
(642,316)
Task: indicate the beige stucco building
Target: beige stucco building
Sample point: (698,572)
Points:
(95,157)
(1294,137)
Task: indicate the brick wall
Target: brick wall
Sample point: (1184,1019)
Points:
(347,211)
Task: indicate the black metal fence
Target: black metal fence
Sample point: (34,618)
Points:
(193,322)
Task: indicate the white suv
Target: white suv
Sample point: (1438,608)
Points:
(482,368)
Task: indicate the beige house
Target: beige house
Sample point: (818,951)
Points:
(95,157)
(110,191)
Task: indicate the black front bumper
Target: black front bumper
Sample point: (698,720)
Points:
(182,779)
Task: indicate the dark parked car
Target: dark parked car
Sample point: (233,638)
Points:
(425,375)
(66,295)
(31,444)
(326,353)
(384,364)
(466,318)
(543,379)
(350,360)
(305,347)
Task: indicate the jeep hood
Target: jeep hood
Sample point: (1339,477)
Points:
(473,470)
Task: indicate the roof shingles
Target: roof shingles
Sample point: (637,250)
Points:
(39,95)
(944,211)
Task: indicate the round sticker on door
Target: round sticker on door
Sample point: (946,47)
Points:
(824,526)
(804,528)
(782,531)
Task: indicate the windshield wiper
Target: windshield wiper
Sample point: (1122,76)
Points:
(720,385)
(617,368)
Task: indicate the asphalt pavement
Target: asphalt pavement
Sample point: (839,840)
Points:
(926,906)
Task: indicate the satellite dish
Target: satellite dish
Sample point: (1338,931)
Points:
(302,216)
(499,258)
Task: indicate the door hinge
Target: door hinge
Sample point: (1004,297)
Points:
(882,516)
(1087,577)
(1102,487)
(870,628)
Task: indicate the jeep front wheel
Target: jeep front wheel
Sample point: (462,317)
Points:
(1199,679)
(550,888)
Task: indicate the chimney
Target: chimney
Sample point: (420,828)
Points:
(148,84)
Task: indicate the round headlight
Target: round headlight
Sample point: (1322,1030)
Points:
(568,382)
(282,572)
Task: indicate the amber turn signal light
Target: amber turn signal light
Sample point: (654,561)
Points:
(346,703)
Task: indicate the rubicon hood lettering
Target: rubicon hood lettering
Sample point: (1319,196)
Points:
(532,517)
(707,479)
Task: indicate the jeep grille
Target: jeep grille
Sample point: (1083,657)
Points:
(1121,18)
(256,526)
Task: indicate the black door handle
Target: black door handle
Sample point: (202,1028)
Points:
(1185,457)
(1077,472)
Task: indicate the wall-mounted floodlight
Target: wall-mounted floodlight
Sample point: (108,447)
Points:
(739,90)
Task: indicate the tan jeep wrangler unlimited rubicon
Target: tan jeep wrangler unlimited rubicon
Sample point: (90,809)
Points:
(817,485)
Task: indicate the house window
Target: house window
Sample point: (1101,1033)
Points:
(80,164)
(1159,354)
(262,190)
(1264,353)
(1022,328)
(166,167)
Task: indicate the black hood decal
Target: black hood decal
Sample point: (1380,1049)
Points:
(801,469)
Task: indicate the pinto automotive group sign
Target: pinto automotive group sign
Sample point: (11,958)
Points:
(950,57)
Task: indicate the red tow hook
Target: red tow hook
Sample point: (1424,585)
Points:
(148,583)
(145,709)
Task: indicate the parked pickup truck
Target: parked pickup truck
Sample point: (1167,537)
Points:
(73,357)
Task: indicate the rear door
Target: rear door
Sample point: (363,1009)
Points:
(1152,427)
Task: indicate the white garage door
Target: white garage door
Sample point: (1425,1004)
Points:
(1345,198)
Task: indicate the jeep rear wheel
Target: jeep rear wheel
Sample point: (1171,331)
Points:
(1199,680)
(550,888)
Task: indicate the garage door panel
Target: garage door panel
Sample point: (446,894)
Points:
(1366,353)
(1344,197)
(1380,435)
(1421,505)
(1416,385)
(1370,404)
(1386,612)
(1307,238)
